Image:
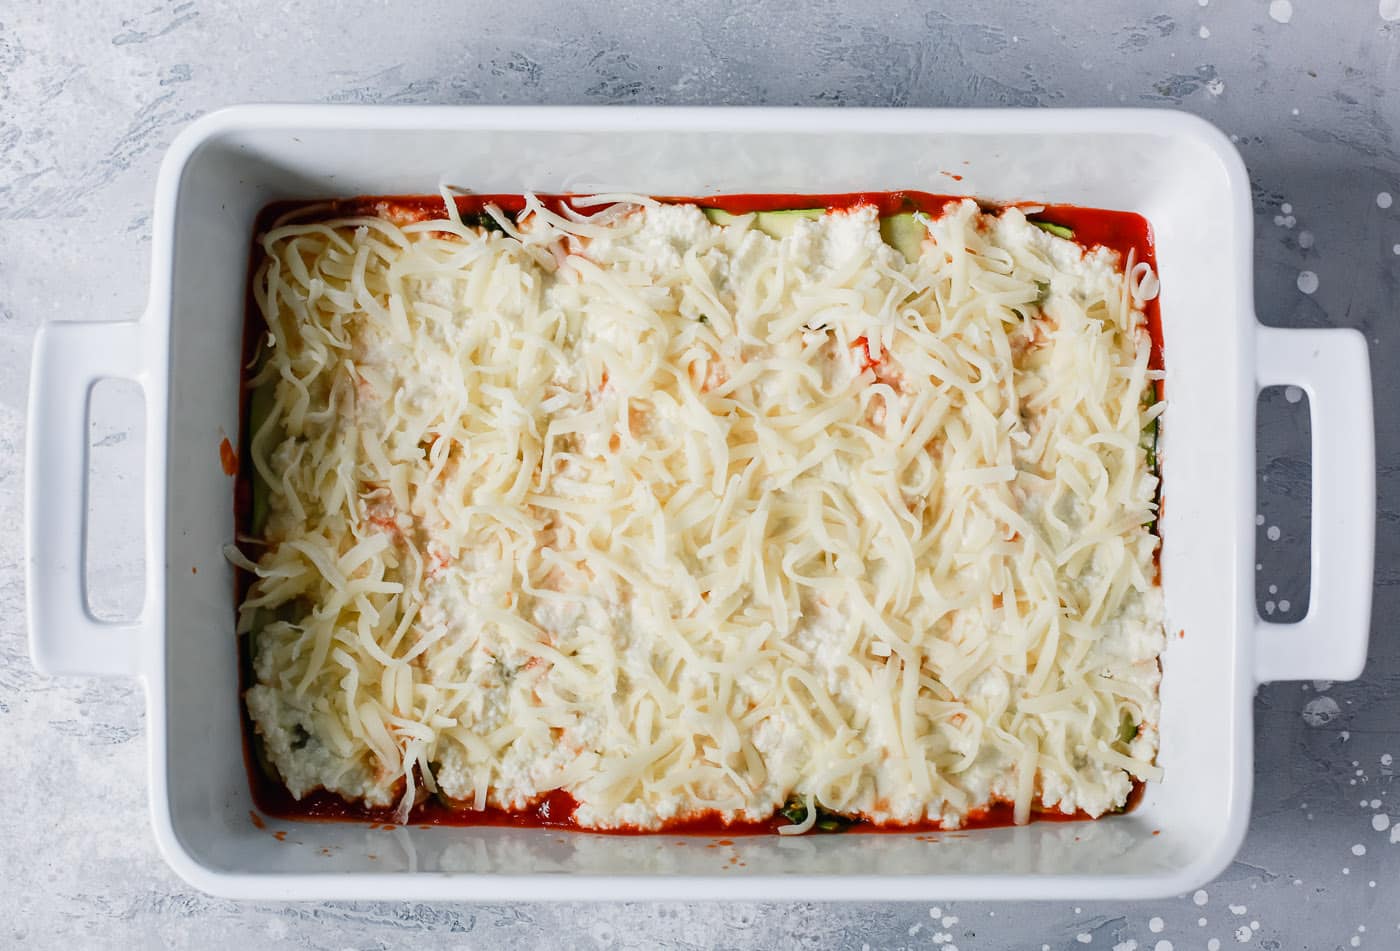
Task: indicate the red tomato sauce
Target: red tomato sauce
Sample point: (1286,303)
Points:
(1116,230)
(228,460)
(555,810)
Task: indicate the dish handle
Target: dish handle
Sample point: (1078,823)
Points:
(64,635)
(1332,367)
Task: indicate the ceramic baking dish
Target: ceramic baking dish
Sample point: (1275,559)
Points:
(184,351)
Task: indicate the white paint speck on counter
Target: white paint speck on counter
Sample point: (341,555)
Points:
(1384,200)
(1390,10)
(1307,281)
(1155,925)
(1320,711)
(1200,898)
(1280,11)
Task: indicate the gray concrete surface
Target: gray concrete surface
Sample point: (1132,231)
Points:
(90,94)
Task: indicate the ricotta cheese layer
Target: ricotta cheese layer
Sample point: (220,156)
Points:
(683,518)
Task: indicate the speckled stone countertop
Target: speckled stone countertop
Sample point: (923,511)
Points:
(92,92)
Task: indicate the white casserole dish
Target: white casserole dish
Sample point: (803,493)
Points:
(1178,171)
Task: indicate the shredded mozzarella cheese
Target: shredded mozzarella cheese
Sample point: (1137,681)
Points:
(683,518)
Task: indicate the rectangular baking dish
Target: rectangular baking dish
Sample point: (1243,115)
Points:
(1179,172)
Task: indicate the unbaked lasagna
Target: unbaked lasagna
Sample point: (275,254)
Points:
(827,513)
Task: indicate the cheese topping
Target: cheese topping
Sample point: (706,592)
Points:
(683,518)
